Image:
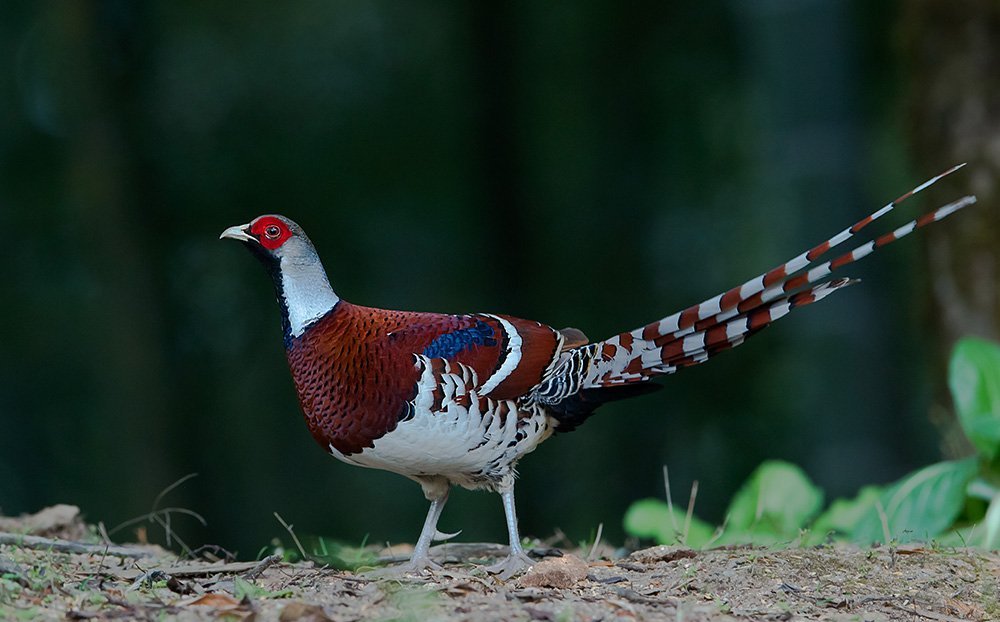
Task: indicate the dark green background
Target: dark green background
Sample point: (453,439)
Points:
(590,164)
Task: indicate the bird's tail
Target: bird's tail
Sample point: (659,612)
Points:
(724,321)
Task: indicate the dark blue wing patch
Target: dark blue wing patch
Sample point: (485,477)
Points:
(450,344)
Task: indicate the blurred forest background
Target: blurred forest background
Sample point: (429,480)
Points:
(587,164)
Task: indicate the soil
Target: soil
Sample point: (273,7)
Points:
(38,581)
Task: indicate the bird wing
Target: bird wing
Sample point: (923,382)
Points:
(508,355)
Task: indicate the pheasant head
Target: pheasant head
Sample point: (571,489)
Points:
(300,282)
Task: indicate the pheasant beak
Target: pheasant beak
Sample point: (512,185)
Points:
(239,232)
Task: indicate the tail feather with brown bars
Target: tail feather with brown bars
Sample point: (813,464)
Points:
(724,321)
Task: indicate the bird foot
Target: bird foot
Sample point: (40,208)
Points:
(416,566)
(513,564)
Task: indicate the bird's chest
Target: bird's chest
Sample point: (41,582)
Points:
(352,391)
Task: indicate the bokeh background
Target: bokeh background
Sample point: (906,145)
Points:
(587,164)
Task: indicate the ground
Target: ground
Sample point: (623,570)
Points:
(98,581)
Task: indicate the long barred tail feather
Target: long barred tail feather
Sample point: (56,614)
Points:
(724,336)
(724,321)
(649,341)
(669,355)
(824,269)
(685,319)
(573,393)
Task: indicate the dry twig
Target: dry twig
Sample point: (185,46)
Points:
(263,565)
(66,546)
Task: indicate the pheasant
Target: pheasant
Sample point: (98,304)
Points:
(457,400)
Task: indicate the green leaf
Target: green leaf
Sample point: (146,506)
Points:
(992,524)
(245,589)
(774,504)
(968,536)
(651,518)
(974,379)
(920,506)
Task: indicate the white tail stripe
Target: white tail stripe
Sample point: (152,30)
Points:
(798,263)
(694,342)
(736,328)
(780,310)
(888,207)
(947,210)
(710,307)
(651,358)
(934,179)
(863,251)
(751,287)
(666,325)
(905,229)
(819,272)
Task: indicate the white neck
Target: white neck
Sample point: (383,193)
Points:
(307,292)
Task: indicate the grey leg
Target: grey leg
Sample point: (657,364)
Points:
(516,561)
(428,533)
(436,491)
(510,513)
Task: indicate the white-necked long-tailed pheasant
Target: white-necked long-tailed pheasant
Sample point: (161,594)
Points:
(451,400)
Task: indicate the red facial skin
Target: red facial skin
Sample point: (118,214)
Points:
(271,232)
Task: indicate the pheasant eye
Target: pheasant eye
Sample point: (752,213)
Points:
(272,232)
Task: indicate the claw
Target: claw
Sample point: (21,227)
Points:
(513,564)
(416,566)
(441,537)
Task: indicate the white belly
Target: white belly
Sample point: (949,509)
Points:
(470,448)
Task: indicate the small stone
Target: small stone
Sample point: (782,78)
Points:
(560,572)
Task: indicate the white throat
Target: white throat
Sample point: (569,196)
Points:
(307,292)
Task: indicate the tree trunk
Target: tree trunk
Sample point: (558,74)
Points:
(954,105)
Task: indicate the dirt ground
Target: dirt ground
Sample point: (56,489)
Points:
(39,581)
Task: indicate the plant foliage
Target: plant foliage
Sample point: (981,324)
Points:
(955,501)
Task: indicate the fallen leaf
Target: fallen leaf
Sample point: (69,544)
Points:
(303,612)
(214,599)
(966,611)
(911,549)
